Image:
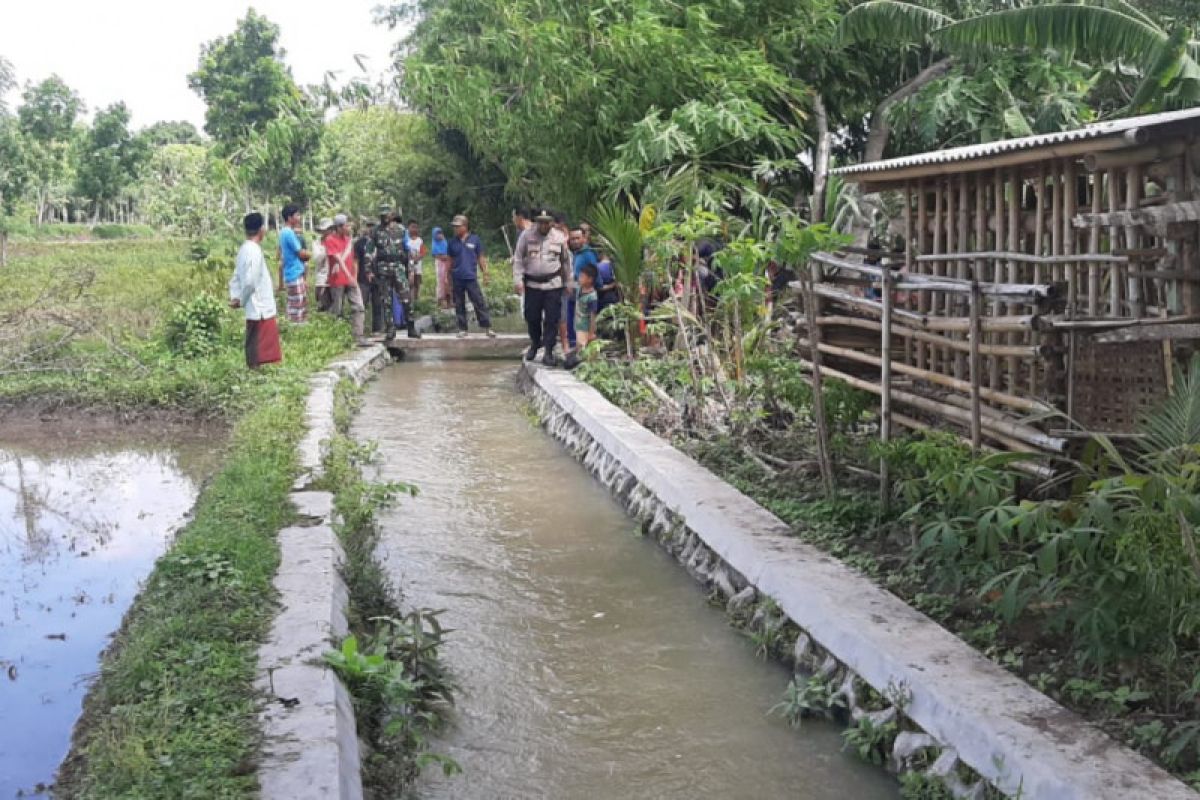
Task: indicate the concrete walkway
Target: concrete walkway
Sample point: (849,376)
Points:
(503,343)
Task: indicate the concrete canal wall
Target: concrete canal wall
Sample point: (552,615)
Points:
(968,709)
(310,741)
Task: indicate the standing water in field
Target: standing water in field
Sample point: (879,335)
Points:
(589,663)
(82,521)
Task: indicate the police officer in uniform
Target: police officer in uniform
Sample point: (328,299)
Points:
(391,272)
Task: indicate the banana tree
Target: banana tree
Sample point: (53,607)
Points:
(1096,31)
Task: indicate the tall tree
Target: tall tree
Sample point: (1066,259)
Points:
(547,94)
(8,82)
(109,157)
(161,134)
(243,81)
(47,119)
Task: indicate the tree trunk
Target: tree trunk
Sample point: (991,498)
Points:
(880,131)
(821,161)
(3,248)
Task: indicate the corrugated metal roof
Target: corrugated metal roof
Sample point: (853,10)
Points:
(976,151)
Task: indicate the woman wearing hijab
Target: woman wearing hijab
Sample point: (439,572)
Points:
(441,256)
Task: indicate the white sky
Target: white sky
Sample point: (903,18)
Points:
(141,51)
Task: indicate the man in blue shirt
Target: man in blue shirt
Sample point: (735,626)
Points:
(292,258)
(581,255)
(467,259)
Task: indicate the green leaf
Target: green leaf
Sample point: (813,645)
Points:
(892,21)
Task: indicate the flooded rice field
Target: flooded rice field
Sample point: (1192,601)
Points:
(589,662)
(84,514)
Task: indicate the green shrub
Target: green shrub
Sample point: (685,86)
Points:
(193,329)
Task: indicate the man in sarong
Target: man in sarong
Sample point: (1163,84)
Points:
(250,289)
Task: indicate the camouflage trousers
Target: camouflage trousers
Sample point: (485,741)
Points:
(392,282)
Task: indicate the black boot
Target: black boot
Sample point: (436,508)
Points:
(531,353)
(549,359)
(413,333)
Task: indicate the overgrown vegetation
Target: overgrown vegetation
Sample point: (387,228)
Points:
(173,712)
(390,661)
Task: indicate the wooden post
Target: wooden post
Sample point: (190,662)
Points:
(1093,289)
(1014,244)
(976,331)
(909,259)
(982,190)
(885,395)
(998,267)
(960,365)
(1116,279)
(814,338)
(937,356)
(1039,248)
(922,248)
(1133,191)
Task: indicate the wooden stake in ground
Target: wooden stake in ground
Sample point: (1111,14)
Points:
(976,333)
(885,396)
(818,399)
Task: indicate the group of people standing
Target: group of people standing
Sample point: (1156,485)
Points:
(564,284)
(381,268)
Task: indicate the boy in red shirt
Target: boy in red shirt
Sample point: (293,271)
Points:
(343,277)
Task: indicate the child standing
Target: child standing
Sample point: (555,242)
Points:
(587,308)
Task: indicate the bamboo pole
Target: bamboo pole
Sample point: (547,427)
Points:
(1039,248)
(989,324)
(1014,244)
(982,190)
(1133,187)
(923,353)
(1025,404)
(1093,289)
(1027,258)
(908,258)
(1116,280)
(1023,433)
(873,307)
(976,332)
(885,396)
(997,267)
(814,332)
(937,356)
(960,361)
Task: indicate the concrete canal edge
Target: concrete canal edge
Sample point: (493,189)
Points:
(969,709)
(310,741)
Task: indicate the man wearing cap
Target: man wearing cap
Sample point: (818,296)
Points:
(465,250)
(541,270)
(343,277)
(391,273)
(250,289)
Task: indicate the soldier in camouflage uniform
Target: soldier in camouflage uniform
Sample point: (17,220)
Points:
(391,272)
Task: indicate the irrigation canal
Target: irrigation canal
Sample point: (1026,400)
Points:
(589,662)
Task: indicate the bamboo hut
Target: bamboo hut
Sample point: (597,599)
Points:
(1044,288)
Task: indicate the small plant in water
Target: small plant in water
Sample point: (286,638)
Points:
(808,697)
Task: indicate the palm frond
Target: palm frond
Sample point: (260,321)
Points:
(1174,427)
(1091,32)
(621,234)
(890,20)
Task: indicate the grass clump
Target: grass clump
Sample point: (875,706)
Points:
(173,713)
(135,328)
(390,662)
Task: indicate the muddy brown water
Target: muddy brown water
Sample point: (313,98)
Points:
(590,664)
(84,514)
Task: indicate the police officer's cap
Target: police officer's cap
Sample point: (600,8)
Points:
(543,215)
(384,210)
